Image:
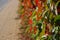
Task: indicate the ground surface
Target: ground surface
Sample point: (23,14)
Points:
(8,24)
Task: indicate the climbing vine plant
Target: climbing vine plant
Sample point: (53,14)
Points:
(40,19)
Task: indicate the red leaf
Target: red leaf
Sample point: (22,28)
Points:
(22,16)
(36,1)
(30,21)
(46,32)
(58,9)
(43,0)
(31,29)
(38,18)
(30,13)
(35,30)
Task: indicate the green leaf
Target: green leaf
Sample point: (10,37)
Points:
(33,14)
(57,3)
(57,20)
